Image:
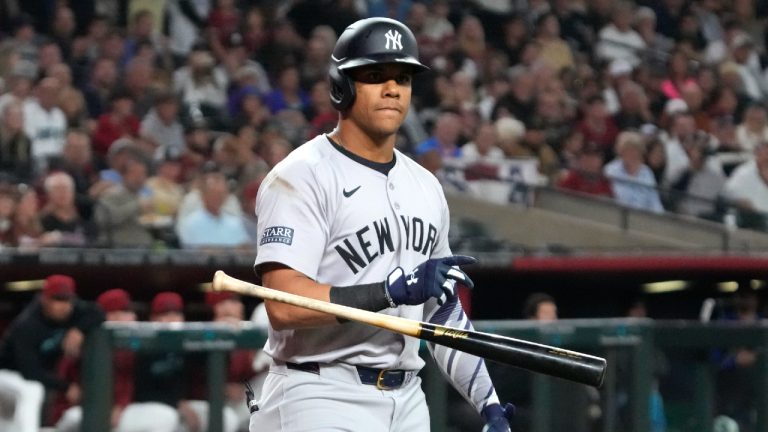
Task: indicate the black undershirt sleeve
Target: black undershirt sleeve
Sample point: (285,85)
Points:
(371,297)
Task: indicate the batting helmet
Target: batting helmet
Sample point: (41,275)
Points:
(365,42)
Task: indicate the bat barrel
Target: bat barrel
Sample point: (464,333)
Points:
(557,362)
(582,368)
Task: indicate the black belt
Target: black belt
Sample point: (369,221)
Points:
(383,379)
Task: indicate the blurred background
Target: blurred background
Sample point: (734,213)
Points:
(607,162)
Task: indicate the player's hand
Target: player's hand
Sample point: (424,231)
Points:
(73,394)
(498,419)
(117,412)
(745,358)
(72,342)
(435,277)
(189,417)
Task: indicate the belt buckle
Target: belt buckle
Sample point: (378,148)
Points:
(380,381)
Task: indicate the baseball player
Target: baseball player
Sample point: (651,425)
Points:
(127,416)
(348,219)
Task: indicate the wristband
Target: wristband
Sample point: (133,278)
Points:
(371,297)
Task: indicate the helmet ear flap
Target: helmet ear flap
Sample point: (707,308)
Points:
(342,89)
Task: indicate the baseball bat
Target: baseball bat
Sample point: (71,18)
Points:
(549,360)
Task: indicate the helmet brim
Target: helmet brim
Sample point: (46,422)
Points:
(393,59)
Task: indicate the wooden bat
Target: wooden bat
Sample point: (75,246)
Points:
(549,360)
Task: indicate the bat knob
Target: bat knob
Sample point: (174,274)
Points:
(218,280)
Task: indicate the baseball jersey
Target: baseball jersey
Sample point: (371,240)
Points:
(326,213)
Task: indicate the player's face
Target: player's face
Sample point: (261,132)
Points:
(547,311)
(228,309)
(121,316)
(57,310)
(383,97)
(168,317)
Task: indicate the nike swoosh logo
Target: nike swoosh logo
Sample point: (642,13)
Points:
(348,194)
(337,59)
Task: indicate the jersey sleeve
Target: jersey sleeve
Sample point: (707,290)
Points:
(467,373)
(292,228)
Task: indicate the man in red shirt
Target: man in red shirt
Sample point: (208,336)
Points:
(598,126)
(118,122)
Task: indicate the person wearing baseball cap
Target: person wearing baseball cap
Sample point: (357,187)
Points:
(227,307)
(167,307)
(127,415)
(163,377)
(117,305)
(28,358)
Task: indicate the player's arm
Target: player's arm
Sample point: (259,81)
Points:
(284,316)
(467,373)
(25,352)
(434,278)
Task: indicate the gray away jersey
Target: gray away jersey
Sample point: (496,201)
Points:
(342,223)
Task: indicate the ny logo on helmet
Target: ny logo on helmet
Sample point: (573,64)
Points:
(396,38)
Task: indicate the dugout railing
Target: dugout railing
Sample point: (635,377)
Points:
(215,339)
(630,341)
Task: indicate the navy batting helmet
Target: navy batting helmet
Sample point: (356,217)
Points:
(366,42)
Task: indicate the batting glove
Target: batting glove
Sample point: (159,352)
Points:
(498,419)
(435,277)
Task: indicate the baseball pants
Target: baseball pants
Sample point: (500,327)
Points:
(336,401)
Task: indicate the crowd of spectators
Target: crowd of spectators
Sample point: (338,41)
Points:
(134,114)
(132,123)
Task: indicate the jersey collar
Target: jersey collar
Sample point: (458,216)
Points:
(382,167)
